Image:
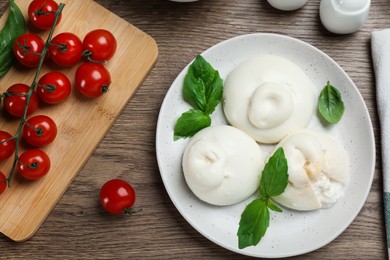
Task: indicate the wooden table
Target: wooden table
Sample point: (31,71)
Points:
(79,228)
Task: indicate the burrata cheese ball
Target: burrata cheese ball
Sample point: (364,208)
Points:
(222,165)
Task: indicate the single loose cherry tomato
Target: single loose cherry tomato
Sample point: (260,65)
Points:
(92,79)
(54,87)
(42,13)
(27,49)
(33,164)
(39,130)
(7,145)
(15,100)
(99,45)
(65,49)
(117,196)
(3,182)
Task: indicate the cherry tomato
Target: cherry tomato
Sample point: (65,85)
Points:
(3,182)
(7,148)
(33,164)
(27,49)
(54,87)
(39,130)
(117,196)
(42,13)
(92,79)
(99,45)
(15,100)
(65,49)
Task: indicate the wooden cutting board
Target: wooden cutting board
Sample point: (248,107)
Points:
(81,122)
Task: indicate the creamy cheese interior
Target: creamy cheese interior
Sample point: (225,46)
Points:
(222,165)
(317,168)
(268,97)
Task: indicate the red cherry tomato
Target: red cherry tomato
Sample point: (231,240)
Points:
(7,145)
(92,79)
(27,49)
(99,45)
(54,87)
(39,130)
(117,196)
(42,13)
(65,49)
(3,182)
(15,100)
(33,164)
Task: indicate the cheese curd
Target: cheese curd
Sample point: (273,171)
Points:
(268,97)
(317,168)
(222,165)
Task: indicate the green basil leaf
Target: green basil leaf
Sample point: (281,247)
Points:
(255,218)
(202,70)
(194,91)
(330,104)
(214,94)
(272,206)
(190,122)
(254,223)
(14,26)
(274,177)
(202,86)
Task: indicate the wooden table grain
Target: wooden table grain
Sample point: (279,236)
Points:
(78,228)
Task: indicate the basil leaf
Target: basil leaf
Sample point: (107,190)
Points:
(194,91)
(272,206)
(202,86)
(14,26)
(255,218)
(190,122)
(330,104)
(203,89)
(253,223)
(214,94)
(274,177)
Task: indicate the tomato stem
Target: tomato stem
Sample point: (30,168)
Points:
(48,87)
(131,211)
(26,48)
(105,88)
(38,130)
(30,92)
(10,94)
(6,140)
(33,165)
(62,47)
(40,12)
(88,54)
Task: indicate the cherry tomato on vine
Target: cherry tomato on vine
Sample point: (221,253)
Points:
(3,182)
(33,164)
(117,196)
(15,100)
(27,49)
(65,49)
(99,45)
(39,130)
(42,13)
(7,145)
(92,79)
(54,87)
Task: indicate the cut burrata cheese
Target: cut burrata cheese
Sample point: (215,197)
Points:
(268,97)
(317,170)
(222,165)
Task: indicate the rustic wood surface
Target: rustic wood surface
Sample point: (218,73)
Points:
(33,204)
(78,228)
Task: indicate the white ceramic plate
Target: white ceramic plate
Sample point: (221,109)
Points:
(291,232)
